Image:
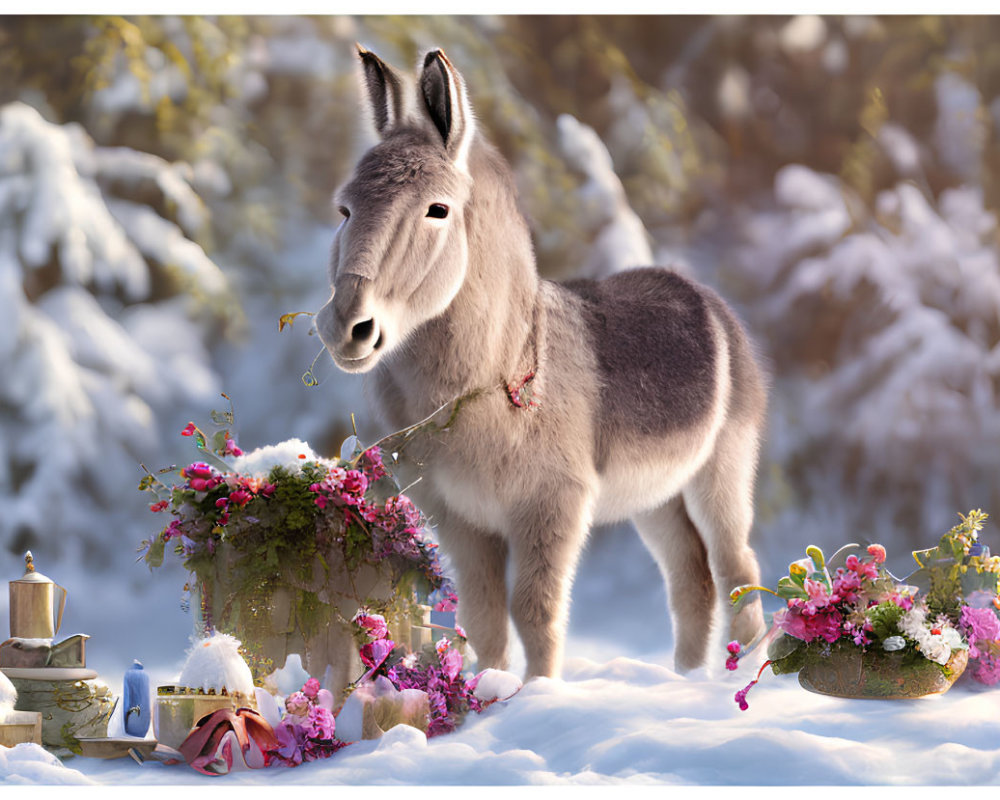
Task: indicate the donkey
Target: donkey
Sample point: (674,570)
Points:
(584,402)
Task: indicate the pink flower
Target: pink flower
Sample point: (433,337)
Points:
(877,552)
(734,650)
(311,688)
(241,497)
(865,569)
(374,623)
(189,430)
(172,530)
(374,654)
(231,449)
(451,663)
(448,603)
(355,482)
(846,585)
(798,622)
(320,723)
(819,596)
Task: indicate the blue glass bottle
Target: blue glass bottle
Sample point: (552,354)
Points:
(136,700)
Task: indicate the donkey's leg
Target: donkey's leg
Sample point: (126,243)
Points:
(546,548)
(480,560)
(673,540)
(719,500)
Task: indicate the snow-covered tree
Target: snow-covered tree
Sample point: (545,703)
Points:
(89,357)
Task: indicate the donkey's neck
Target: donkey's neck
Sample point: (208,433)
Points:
(488,335)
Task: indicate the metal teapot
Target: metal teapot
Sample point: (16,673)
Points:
(31,604)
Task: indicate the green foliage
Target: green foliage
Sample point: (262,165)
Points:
(884,619)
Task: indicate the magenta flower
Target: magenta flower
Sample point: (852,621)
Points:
(374,654)
(846,585)
(798,622)
(734,650)
(448,603)
(451,663)
(241,497)
(172,530)
(355,483)
(865,569)
(311,688)
(319,724)
(375,624)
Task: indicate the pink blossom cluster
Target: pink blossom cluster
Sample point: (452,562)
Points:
(449,695)
(395,524)
(824,613)
(306,732)
(981,628)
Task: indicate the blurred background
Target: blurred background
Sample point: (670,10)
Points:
(165,193)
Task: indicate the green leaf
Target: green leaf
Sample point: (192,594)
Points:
(783,646)
(154,556)
(787,589)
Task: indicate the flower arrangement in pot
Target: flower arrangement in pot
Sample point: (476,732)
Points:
(285,546)
(857,631)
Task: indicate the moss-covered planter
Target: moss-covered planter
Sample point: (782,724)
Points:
(306,615)
(847,671)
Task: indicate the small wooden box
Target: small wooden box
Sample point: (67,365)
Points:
(21,726)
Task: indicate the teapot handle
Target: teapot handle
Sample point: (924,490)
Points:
(62,607)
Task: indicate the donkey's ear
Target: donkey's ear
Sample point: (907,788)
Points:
(385,91)
(443,96)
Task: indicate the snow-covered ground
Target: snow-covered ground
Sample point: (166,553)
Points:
(628,721)
(619,714)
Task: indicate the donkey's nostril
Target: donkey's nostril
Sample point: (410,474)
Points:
(362,331)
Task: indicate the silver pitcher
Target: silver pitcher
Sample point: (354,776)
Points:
(32,600)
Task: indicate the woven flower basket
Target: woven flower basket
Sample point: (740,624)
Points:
(850,672)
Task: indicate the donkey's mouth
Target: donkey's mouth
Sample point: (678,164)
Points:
(362,363)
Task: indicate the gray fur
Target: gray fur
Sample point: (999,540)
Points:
(649,400)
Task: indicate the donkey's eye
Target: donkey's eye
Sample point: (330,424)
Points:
(343,210)
(437,210)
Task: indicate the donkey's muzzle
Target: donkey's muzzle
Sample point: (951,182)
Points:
(348,328)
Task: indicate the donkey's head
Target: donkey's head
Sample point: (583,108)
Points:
(400,254)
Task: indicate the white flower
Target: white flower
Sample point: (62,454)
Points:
(894,643)
(953,639)
(935,649)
